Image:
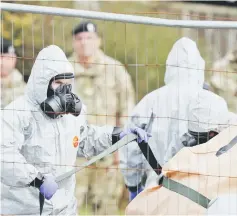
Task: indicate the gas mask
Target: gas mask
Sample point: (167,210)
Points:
(192,138)
(61,101)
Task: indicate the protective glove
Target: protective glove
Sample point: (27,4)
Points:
(133,194)
(206,86)
(142,135)
(49,187)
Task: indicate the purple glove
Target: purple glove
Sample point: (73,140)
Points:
(49,187)
(132,195)
(142,135)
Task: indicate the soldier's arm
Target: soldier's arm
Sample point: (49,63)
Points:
(126,95)
(126,99)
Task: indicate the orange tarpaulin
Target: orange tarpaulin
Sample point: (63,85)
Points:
(197,168)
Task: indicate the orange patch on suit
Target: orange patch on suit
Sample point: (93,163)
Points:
(75,141)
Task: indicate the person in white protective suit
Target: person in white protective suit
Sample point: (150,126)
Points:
(184,77)
(201,178)
(209,113)
(42,133)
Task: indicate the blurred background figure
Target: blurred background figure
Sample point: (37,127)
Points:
(224,79)
(106,88)
(12,82)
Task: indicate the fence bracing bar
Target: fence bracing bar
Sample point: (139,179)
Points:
(118,17)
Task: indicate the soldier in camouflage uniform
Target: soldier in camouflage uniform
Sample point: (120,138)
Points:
(224,79)
(12,83)
(106,88)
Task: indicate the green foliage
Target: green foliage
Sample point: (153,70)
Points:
(142,48)
(31,32)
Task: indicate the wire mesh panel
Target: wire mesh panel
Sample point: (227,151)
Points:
(128,66)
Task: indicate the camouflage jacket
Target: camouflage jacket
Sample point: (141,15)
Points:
(12,87)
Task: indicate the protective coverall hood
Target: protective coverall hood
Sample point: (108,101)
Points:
(50,62)
(208,112)
(184,63)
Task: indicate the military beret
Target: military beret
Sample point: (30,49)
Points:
(87,26)
(7,46)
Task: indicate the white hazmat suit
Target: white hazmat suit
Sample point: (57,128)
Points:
(184,77)
(197,167)
(209,112)
(31,143)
